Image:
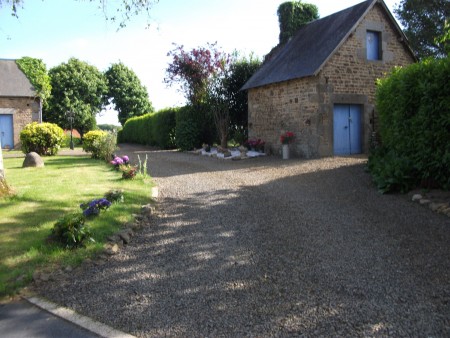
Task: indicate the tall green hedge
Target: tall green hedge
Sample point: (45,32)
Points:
(155,129)
(414,124)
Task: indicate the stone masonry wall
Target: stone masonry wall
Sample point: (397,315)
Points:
(25,110)
(305,106)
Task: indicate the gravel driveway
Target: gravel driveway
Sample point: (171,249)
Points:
(265,248)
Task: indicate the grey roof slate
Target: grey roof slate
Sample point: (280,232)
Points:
(305,54)
(13,81)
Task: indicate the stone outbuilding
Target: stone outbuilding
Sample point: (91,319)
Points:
(321,84)
(19,103)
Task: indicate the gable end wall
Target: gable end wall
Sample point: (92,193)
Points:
(305,106)
(24,110)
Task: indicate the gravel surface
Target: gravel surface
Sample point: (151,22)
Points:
(271,248)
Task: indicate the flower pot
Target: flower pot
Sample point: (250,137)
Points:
(285,151)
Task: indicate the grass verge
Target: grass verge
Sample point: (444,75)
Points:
(42,196)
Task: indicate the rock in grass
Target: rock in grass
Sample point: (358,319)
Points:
(33,160)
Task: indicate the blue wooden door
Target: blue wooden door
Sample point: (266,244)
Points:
(6,131)
(346,129)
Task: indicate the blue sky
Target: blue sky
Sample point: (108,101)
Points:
(55,30)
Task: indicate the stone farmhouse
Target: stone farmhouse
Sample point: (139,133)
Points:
(321,84)
(19,104)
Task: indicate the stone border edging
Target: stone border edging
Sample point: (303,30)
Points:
(71,316)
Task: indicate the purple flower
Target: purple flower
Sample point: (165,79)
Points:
(125,159)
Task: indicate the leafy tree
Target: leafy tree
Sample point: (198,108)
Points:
(192,70)
(79,88)
(240,71)
(126,92)
(292,15)
(123,11)
(424,22)
(36,71)
(218,100)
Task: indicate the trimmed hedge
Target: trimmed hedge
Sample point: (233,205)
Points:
(155,129)
(414,124)
(42,138)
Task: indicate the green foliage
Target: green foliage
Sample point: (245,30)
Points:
(115,196)
(188,130)
(36,71)
(240,72)
(76,87)
(292,15)
(42,138)
(164,128)
(76,140)
(126,93)
(156,129)
(71,231)
(424,22)
(414,123)
(108,127)
(92,141)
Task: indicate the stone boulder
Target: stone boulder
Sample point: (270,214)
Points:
(33,160)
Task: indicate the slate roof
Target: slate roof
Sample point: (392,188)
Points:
(13,81)
(306,53)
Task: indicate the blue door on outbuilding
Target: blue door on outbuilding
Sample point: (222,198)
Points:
(6,131)
(346,129)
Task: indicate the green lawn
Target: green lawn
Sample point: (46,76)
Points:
(42,196)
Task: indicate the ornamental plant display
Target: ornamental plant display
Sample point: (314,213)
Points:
(255,144)
(115,195)
(128,172)
(93,207)
(287,138)
(119,161)
(71,231)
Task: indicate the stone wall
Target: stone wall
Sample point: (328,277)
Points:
(305,106)
(24,110)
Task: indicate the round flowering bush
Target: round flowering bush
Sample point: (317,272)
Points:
(42,138)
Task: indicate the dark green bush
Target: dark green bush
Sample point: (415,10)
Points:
(187,130)
(414,124)
(71,231)
(42,138)
(164,128)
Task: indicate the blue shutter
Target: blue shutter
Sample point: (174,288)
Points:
(373,45)
(6,131)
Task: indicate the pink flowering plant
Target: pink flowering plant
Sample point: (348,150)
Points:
(119,161)
(287,137)
(255,144)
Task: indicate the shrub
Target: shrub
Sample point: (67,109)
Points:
(89,141)
(163,128)
(115,195)
(42,138)
(187,130)
(414,125)
(100,144)
(106,146)
(71,231)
